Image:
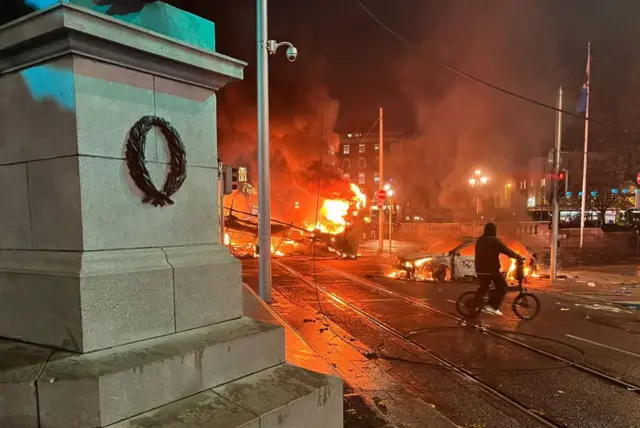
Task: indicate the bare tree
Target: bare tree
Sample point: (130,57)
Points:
(606,181)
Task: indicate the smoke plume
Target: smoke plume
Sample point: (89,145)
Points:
(462,125)
(302,119)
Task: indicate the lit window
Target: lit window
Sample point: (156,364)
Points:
(362,163)
(242,174)
(376,147)
(525,184)
(362,178)
(345,149)
(346,163)
(361,148)
(346,176)
(542,182)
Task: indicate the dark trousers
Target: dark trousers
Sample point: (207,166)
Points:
(496,296)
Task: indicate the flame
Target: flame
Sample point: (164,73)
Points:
(511,273)
(332,216)
(360,198)
(338,210)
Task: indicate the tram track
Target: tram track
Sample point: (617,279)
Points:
(461,371)
(416,302)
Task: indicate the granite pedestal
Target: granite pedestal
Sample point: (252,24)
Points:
(115,312)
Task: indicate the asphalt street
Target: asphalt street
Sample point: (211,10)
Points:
(576,365)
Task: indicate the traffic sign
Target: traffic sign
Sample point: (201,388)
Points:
(382,194)
(638,178)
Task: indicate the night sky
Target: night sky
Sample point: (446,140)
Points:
(348,66)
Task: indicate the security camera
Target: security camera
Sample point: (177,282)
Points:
(292,53)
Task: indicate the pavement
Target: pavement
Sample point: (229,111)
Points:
(372,398)
(403,350)
(615,285)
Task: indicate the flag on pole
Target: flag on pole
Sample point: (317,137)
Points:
(584,93)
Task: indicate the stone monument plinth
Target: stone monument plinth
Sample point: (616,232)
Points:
(118,306)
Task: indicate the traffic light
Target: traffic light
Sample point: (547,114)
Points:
(562,184)
(229,179)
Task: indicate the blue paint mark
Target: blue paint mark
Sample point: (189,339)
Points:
(159,17)
(41,4)
(51,83)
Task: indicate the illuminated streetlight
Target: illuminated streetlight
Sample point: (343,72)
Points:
(389,192)
(477,181)
(387,187)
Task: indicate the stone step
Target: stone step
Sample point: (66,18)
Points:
(104,387)
(284,396)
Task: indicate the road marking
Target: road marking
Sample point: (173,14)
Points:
(451,301)
(603,345)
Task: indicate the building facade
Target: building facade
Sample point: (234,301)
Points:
(358,157)
(607,172)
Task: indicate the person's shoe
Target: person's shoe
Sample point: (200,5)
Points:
(492,311)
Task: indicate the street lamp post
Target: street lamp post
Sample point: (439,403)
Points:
(390,194)
(265,47)
(477,181)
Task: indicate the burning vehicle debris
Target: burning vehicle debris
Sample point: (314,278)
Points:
(327,223)
(455,259)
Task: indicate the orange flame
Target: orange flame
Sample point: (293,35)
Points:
(333,214)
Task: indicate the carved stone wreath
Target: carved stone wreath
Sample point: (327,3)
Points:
(136,160)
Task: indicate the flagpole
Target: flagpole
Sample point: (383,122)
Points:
(586,146)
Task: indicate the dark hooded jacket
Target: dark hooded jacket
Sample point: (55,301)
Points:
(488,250)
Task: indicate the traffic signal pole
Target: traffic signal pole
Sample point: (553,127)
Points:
(390,224)
(222,231)
(381,185)
(555,219)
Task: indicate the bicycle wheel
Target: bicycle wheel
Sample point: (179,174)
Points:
(467,305)
(526,306)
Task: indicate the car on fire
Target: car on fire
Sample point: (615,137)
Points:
(455,259)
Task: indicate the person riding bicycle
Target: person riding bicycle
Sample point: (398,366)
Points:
(488,250)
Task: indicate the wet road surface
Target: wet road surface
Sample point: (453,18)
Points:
(576,365)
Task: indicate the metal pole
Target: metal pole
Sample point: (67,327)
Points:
(555,219)
(264,200)
(221,191)
(381,183)
(390,223)
(473,232)
(586,146)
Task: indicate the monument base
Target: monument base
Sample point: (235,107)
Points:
(230,374)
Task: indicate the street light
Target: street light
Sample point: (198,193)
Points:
(389,190)
(265,47)
(477,182)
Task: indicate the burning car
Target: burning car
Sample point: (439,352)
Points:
(455,259)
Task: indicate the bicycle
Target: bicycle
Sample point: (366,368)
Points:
(469,305)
